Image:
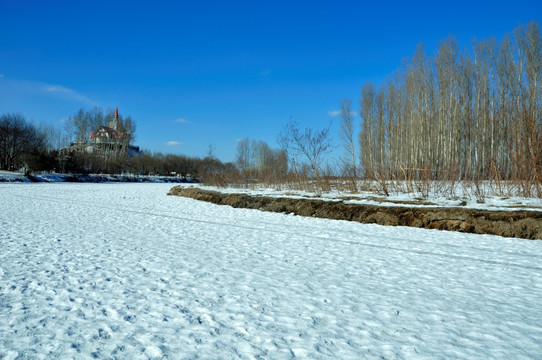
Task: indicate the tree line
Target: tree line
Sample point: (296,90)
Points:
(29,147)
(256,160)
(459,114)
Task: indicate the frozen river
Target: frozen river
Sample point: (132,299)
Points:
(124,271)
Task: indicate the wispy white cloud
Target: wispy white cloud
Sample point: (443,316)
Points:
(66,93)
(182,121)
(265,72)
(333,113)
(28,88)
(173,143)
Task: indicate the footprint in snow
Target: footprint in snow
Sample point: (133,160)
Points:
(130,318)
(104,334)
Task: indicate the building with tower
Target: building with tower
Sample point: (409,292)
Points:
(111,134)
(113,138)
(110,139)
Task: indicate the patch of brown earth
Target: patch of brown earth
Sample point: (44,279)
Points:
(521,224)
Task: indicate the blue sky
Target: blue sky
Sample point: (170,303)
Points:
(195,73)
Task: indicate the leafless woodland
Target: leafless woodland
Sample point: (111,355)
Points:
(461,114)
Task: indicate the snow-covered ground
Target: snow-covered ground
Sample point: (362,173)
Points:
(463,196)
(124,271)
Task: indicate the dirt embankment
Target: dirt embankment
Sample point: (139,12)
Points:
(521,224)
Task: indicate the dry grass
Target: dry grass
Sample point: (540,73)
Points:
(420,188)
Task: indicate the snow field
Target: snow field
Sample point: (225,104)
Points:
(124,271)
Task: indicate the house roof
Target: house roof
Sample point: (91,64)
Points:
(106,131)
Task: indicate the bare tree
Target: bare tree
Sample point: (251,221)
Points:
(309,145)
(80,126)
(17,139)
(256,160)
(243,156)
(366,135)
(347,135)
(211,151)
(53,136)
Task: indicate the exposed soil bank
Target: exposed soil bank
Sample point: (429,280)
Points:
(521,224)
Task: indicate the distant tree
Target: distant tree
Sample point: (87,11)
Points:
(17,139)
(366,135)
(78,126)
(243,155)
(306,147)
(347,136)
(263,156)
(280,164)
(53,136)
(257,161)
(210,167)
(211,151)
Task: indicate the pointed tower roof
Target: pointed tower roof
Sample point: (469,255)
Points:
(116,112)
